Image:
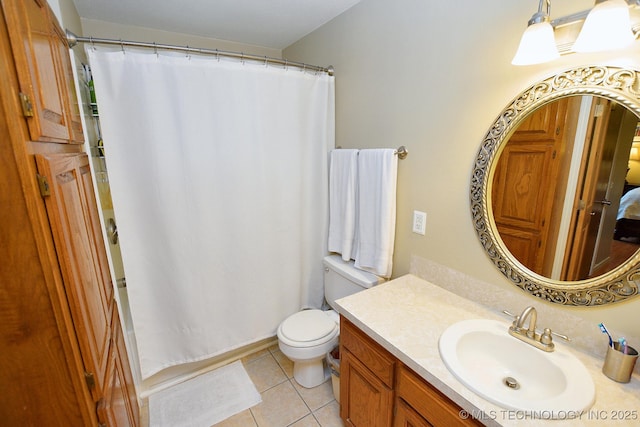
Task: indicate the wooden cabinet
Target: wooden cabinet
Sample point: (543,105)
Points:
(77,235)
(367,400)
(406,416)
(44,72)
(63,360)
(376,389)
(427,402)
(117,407)
(366,379)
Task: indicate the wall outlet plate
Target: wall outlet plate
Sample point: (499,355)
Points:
(419,222)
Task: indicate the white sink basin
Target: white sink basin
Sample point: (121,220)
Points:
(513,374)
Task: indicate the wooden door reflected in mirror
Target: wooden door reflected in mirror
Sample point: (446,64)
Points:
(557,188)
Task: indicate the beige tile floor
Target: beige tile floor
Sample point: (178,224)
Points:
(284,402)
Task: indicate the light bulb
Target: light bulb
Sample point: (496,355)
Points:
(607,27)
(537,45)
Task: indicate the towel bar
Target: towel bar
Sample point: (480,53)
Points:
(402,152)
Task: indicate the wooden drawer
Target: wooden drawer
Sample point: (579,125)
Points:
(378,360)
(432,405)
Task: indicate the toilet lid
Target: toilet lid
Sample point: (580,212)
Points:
(308,325)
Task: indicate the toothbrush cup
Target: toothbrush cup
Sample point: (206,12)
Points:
(618,365)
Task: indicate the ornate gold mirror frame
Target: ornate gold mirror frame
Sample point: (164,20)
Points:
(617,84)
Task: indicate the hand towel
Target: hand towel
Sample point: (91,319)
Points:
(377,178)
(343,193)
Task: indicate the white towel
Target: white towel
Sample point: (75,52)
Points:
(377,178)
(343,196)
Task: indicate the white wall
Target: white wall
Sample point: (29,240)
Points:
(433,76)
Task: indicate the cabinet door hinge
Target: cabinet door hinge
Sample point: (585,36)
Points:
(43,183)
(27,106)
(90,379)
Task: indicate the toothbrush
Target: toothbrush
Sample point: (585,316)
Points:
(604,331)
(623,345)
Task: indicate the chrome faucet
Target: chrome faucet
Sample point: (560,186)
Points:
(542,341)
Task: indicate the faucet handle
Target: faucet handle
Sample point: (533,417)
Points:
(564,337)
(510,314)
(514,316)
(545,338)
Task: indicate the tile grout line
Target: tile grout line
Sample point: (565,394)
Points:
(291,382)
(287,379)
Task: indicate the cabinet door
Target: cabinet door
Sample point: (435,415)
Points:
(365,400)
(38,375)
(74,122)
(118,406)
(44,72)
(406,416)
(427,403)
(75,224)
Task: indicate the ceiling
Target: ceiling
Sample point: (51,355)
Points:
(267,23)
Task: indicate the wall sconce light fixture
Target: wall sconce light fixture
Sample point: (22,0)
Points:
(537,44)
(607,26)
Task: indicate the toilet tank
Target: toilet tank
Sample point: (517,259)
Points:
(342,278)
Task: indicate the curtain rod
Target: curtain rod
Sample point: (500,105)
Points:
(73,40)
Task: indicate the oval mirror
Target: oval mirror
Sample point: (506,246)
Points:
(553,194)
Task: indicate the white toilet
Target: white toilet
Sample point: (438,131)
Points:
(305,337)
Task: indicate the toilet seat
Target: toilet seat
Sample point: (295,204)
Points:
(308,328)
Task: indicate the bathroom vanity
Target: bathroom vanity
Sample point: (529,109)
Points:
(392,373)
(369,377)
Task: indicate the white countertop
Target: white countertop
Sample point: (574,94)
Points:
(407,316)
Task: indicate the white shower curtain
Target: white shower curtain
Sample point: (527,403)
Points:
(218,173)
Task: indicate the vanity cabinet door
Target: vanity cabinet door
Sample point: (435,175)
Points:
(366,379)
(406,416)
(426,403)
(365,400)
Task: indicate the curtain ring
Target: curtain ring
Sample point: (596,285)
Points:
(266,62)
(242,57)
(93,46)
(217,55)
(286,65)
(155,50)
(122,46)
